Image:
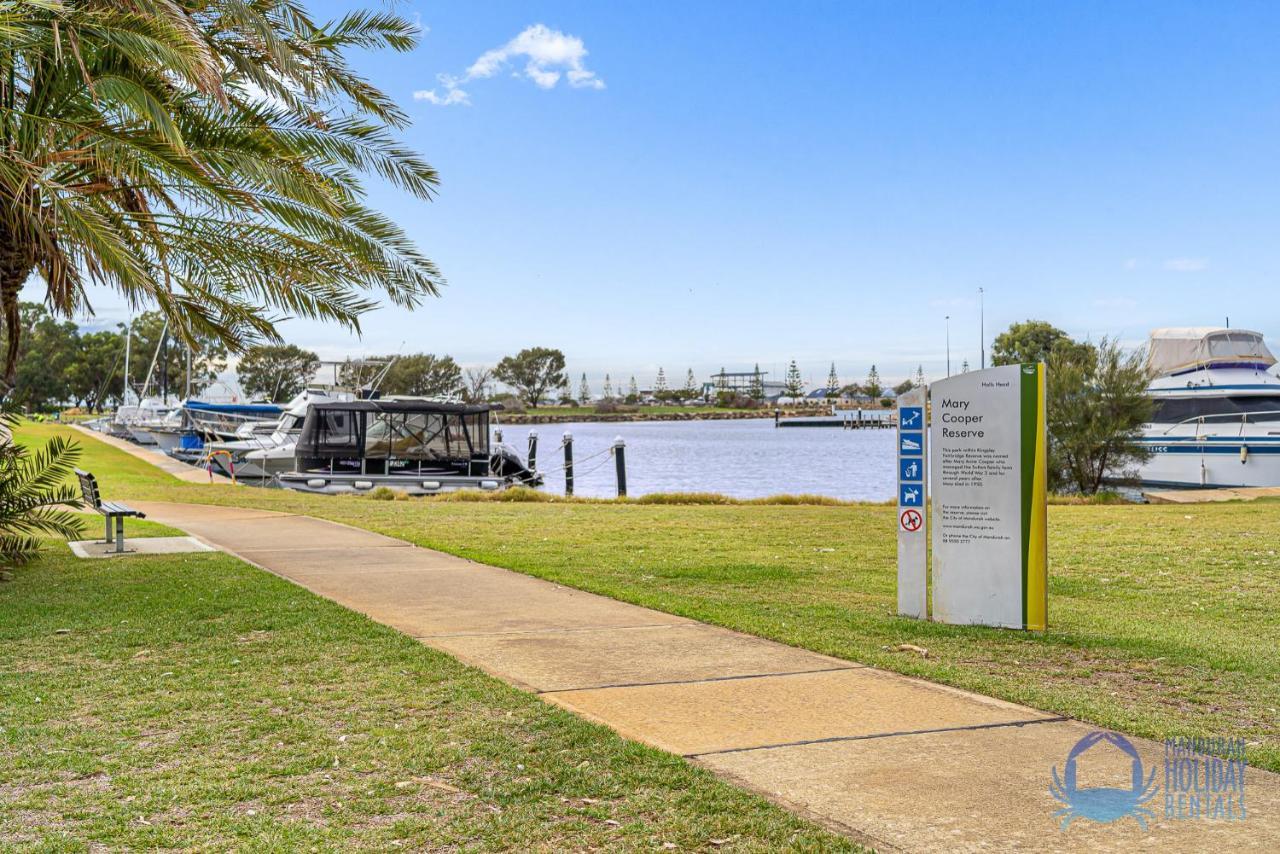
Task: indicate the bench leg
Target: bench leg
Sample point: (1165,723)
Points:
(106,538)
(119,533)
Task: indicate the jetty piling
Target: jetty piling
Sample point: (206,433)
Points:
(533,451)
(568,463)
(620,463)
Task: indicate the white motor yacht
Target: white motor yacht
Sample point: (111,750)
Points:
(265,454)
(1217,409)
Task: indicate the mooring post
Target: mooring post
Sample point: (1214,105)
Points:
(497,435)
(533,450)
(620,462)
(568,463)
(777,417)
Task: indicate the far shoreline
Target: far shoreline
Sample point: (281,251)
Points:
(770,413)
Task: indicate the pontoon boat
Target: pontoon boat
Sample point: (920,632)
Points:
(414,445)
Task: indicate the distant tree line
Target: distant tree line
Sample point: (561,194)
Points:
(59,364)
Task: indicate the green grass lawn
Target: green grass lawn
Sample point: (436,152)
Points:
(196,702)
(1165,620)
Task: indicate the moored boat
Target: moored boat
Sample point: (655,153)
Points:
(1217,409)
(414,445)
(264,456)
(228,422)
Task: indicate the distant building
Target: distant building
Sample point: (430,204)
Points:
(741,382)
(849,401)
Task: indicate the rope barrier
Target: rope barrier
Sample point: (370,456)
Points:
(594,468)
(577,461)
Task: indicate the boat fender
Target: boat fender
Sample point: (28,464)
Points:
(1244,454)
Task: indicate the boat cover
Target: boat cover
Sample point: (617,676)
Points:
(264,409)
(1175,350)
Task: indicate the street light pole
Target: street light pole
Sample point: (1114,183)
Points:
(948,345)
(982,327)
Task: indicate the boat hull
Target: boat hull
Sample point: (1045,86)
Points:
(252,467)
(325,483)
(167,440)
(1212,461)
(142,436)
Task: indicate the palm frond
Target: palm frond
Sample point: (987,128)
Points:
(33,488)
(206,157)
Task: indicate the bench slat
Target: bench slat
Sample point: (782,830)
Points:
(114,508)
(89,489)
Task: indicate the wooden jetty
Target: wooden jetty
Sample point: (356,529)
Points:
(844,419)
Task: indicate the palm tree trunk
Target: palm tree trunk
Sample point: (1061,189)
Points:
(15,266)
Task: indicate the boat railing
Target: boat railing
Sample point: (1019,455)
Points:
(1223,416)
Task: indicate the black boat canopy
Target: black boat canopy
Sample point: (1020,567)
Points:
(405,430)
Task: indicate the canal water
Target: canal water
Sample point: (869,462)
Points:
(742,459)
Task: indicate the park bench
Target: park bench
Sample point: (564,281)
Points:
(109,509)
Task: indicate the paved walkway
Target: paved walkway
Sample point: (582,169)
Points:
(157,458)
(898,763)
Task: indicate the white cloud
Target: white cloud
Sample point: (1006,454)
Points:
(549,56)
(1131,263)
(450,96)
(1187,265)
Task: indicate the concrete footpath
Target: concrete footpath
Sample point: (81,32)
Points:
(894,762)
(1220,493)
(157,458)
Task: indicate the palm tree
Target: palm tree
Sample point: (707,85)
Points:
(205,156)
(32,485)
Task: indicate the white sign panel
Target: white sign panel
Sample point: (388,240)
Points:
(987,478)
(912,503)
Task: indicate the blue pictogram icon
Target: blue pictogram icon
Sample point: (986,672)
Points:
(910,468)
(911,417)
(911,444)
(910,495)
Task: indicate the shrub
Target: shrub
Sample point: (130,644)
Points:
(510,403)
(610,407)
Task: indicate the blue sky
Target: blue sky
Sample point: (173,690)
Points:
(732,183)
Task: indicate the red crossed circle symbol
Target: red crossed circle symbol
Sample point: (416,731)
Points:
(911,520)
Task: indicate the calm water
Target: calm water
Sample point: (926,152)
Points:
(744,459)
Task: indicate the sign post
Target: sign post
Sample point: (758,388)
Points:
(913,541)
(988,473)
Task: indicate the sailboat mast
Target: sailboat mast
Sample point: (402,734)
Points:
(128,342)
(154,358)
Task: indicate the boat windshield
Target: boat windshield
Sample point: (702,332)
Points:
(1177,410)
(420,436)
